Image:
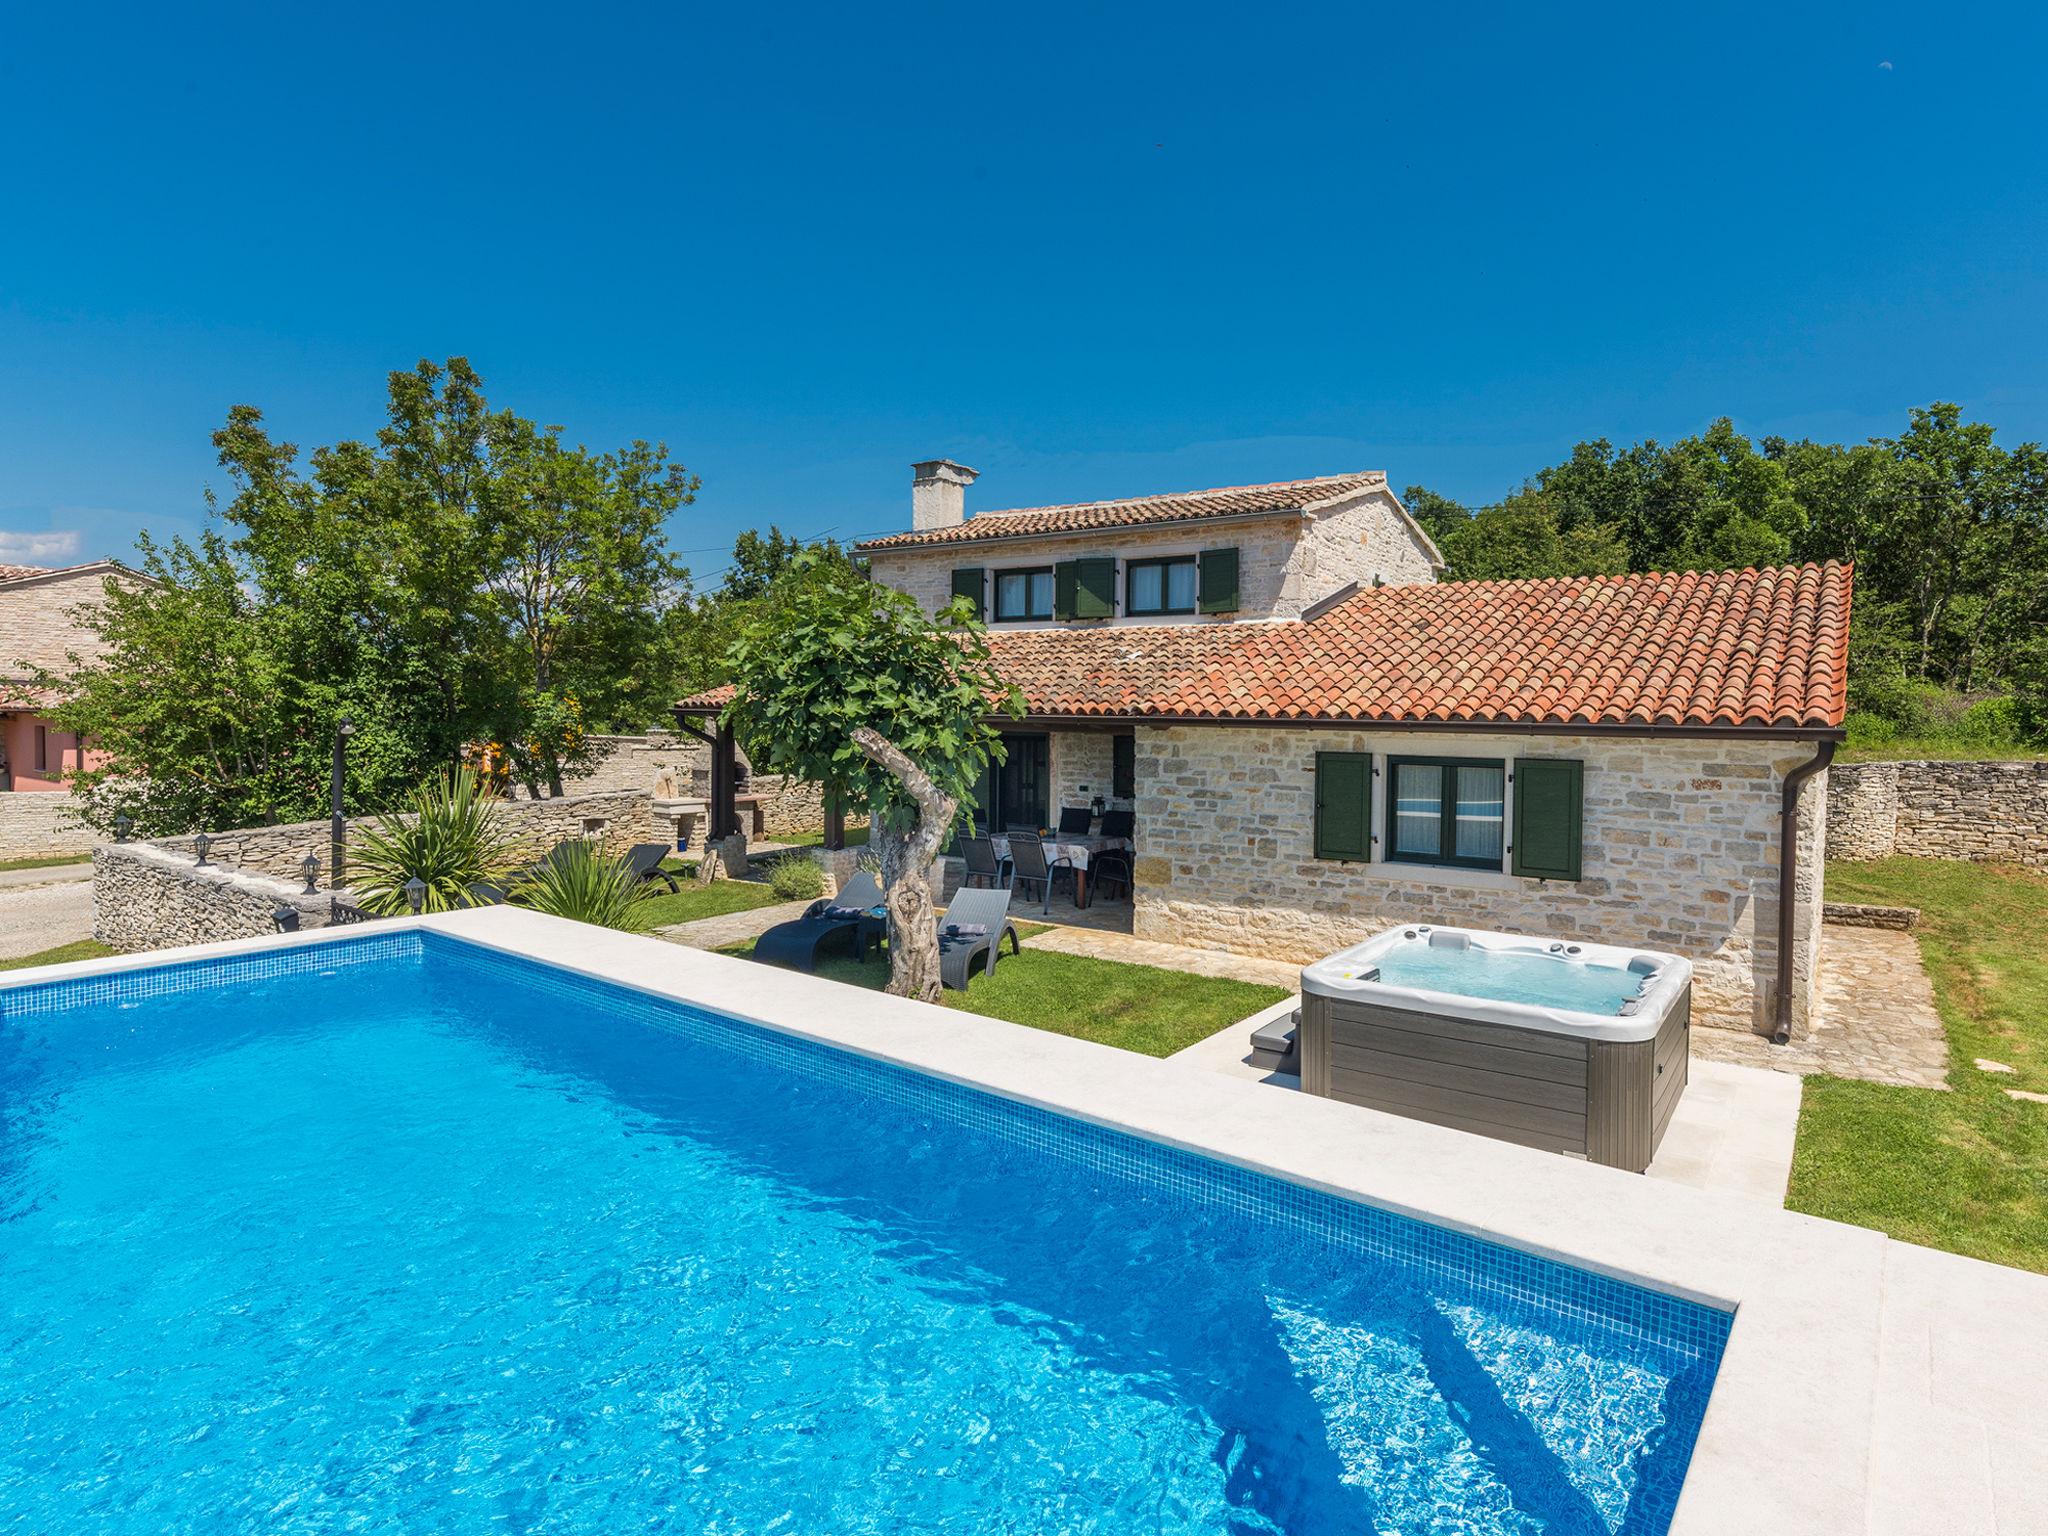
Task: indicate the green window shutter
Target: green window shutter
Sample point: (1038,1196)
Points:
(1549,816)
(968,583)
(1063,589)
(1344,805)
(1219,580)
(1094,589)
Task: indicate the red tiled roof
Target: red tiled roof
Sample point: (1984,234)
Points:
(710,698)
(1178,506)
(1752,648)
(1726,648)
(16,572)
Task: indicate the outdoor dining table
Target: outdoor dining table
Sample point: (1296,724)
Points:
(1077,848)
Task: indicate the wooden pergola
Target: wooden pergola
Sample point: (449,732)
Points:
(724,817)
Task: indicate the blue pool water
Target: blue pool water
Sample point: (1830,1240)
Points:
(401,1236)
(1509,976)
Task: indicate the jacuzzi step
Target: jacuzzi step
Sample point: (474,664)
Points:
(1274,1048)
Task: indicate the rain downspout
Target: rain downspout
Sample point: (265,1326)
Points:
(1788,886)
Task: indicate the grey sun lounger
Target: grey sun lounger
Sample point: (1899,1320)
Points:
(645,860)
(972,930)
(828,923)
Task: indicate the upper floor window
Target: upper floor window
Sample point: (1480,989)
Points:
(1024,594)
(1160,586)
(1448,811)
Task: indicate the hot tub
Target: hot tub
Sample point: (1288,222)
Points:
(1573,1048)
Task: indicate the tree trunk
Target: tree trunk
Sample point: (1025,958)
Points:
(907,855)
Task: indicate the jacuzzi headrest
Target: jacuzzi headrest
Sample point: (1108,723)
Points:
(1442,940)
(1643,965)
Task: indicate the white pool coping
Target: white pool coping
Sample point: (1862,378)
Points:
(1800,1400)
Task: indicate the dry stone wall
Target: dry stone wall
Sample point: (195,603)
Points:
(1680,853)
(42,825)
(621,817)
(1982,812)
(147,897)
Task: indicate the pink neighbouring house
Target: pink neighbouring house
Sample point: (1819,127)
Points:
(36,630)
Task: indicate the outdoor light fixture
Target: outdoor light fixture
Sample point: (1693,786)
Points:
(343,729)
(122,826)
(416,894)
(200,844)
(286,918)
(310,867)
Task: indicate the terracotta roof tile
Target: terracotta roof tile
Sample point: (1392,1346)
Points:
(1726,648)
(1749,648)
(1178,506)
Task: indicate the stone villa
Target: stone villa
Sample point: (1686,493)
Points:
(1320,740)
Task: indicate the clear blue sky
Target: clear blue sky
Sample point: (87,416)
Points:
(1092,251)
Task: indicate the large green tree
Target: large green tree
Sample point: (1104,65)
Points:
(849,684)
(463,578)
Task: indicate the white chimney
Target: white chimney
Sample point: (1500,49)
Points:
(938,494)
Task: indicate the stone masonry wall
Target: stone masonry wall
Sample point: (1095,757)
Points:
(1982,812)
(1680,853)
(622,817)
(1283,564)
(42,825)
(637,762)
(146,897)
(1083,766)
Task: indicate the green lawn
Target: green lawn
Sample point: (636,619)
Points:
(1965,1170)
(695,901)
(82,949)
(856,837)
(1908,749)
(1133,1007)
(57,863)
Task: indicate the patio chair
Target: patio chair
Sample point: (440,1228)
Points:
(831,921)
(1074,820)
(969,930)
(645,860)
(1027,853)
(983,867)
(1119,823)
(484,893)
(1111,867)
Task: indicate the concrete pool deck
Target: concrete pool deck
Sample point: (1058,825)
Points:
(1868,1386)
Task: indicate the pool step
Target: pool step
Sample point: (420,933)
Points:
(1273,1045)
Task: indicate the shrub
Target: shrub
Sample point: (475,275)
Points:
(797,879)
(581,882)
(1991,723)
(1866,730)
(454,838)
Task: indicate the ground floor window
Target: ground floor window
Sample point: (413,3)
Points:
(1448,810)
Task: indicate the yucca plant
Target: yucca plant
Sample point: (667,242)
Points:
(455,837)
(581,882)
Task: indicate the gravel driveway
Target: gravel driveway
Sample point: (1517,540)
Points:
(39,917)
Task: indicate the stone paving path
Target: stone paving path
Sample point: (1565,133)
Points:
(1877,1018)
(731,927)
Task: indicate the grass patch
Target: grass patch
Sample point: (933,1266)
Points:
(1966,1170)
(856,837)
(61,861)
(80,949)
(1945,749)
(695,901)
(1132,1007)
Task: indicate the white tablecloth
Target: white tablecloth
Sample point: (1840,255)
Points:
(1075,850)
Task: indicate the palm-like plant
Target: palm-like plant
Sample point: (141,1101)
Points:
(455,837)
(581,882)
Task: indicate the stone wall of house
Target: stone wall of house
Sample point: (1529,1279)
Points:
(148,897)
(1983,812)
(1083,765)
(1359,542)
(621,817)
(42,825)
(1283,565)
(1680,853)
(1265,549)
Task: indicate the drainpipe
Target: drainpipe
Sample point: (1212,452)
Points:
(1788,886)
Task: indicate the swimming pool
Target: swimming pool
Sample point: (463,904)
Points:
(405,1232)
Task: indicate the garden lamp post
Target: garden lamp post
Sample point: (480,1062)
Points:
(343,729)
(415,894)
(309,866)
(122,825)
